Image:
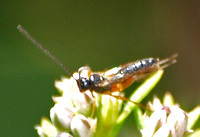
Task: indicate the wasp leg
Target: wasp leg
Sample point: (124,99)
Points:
(93,105)
(126,99)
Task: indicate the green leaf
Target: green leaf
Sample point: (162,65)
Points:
(196,133)
(193,116)
(139,118)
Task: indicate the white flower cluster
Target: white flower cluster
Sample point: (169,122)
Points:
(71,114)
(72,110)
(166,119)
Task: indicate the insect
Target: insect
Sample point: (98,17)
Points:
(121,77)
(109,81)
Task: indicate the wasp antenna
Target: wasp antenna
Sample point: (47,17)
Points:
(44,50)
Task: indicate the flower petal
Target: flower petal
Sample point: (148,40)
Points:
(61,116)
(82,126)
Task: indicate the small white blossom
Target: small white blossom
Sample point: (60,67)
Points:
(61,116)
(46,128)
(82,126)
(72,97)
(164,121)
(111,110)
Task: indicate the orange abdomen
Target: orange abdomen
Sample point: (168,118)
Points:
(122,85)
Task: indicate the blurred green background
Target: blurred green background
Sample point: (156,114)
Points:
(101,34)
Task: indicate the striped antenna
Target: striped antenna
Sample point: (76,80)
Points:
(44,50)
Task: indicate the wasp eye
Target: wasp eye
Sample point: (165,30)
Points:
(84,84)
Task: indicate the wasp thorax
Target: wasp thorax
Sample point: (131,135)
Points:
(95,79)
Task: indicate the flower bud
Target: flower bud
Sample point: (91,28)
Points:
(83,102)
(177,122)
(46,128)
(110,110)
(82,126)
(61,116)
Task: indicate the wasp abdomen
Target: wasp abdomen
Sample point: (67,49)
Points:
(138,65)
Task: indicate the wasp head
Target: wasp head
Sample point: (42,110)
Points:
(83,84)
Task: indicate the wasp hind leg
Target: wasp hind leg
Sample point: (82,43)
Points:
(93,105)
(126,99)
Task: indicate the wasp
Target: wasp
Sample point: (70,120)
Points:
(119,78)
(112,80)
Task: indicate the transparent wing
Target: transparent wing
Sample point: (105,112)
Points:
(113,75)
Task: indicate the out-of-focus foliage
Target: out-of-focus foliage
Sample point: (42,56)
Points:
(101,34)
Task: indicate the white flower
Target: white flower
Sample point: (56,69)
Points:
(72,97)
(46,129)
(82,126)
(111,110)
(61,116)
(165,120)
(72,111)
